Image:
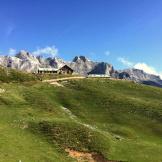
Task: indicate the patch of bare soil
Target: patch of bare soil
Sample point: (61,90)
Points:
(86,157)
(56,84)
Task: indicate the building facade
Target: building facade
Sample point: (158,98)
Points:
(63,70)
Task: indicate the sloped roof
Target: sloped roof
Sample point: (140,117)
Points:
(67,66)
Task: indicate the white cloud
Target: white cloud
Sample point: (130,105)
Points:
(148,69)
(12,52)
(107,53)
(125,62)
(141,66)
(49,50)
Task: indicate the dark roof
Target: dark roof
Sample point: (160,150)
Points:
(67,67)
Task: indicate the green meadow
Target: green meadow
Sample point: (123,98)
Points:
(119,119)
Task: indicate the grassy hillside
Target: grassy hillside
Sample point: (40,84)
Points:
(10,75)
(119,119)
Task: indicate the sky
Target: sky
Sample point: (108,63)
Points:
(125,33)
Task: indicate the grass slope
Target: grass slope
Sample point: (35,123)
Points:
(118,119)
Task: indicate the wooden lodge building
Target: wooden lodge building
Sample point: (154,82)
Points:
(63,70)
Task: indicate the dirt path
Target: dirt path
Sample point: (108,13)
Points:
(55,81)
(62,79)
(56,84)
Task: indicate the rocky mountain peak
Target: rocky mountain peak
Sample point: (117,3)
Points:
(57,59)
(80,59)
(40,58)
(102,68)
(139,76)
(24,55)
(56,62)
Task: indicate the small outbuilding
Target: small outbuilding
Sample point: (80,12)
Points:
(65,70)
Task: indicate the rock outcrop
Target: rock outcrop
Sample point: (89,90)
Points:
(139,76)
(103,69)
(82,65)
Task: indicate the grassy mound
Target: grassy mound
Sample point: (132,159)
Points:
(10,75)
(119,119)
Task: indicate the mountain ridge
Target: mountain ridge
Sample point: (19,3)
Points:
(26,61)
